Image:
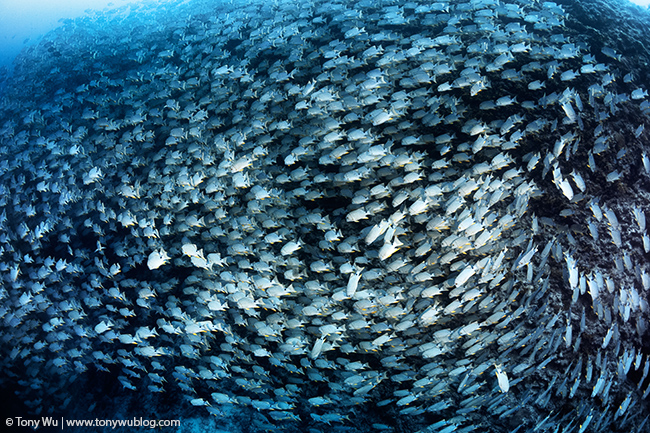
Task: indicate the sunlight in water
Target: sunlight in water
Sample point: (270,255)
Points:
(23,23)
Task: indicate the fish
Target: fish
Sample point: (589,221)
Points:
(331,206)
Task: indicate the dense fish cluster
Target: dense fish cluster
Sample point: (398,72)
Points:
(331,216)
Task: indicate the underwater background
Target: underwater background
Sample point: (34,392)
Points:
(334,216)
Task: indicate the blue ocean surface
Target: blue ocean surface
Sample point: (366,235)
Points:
(325,216)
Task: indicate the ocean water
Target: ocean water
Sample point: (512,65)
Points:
(399,216)
(24,23)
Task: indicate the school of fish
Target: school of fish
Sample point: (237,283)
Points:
(378,215)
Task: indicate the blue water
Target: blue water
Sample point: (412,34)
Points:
(24,23)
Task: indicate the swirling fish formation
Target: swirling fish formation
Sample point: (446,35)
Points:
(354,216)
